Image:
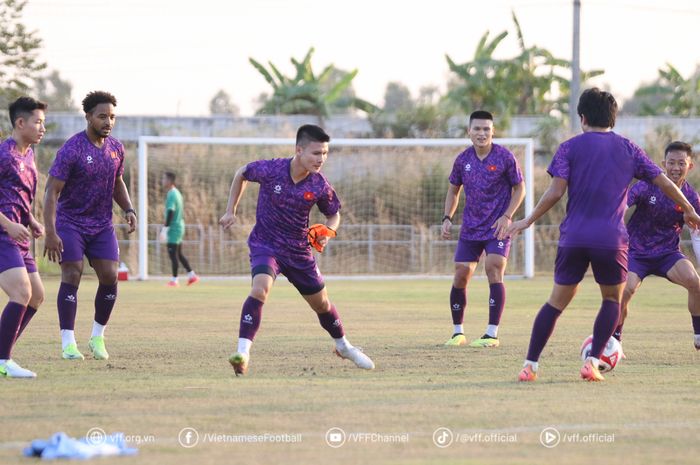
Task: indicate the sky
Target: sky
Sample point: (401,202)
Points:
(169,57)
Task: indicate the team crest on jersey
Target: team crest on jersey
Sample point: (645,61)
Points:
(678,208)
(491,168)
(113,155)
(277,189)
(309,196)
(89,159)
(467,167)
(652,200)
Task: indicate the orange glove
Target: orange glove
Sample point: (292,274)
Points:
(316,232)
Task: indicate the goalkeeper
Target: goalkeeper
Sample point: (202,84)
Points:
(281,240)
(174,230)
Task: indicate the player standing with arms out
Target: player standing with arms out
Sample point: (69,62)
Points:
(493,190)
(279,242)
(19,277)
(655,231)
(596,167)
(174,230)
(85,178)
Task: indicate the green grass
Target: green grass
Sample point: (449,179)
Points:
(168,371)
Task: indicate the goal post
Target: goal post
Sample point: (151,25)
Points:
(403,153)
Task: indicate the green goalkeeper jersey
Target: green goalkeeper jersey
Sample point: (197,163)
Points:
(173,202)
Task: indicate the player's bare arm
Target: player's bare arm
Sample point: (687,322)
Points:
(53,246)
(516,198)
(121,196)
(669,188)
(451,202)
(554,193)
(36,228)
(237,188)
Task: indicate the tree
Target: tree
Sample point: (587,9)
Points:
(403,117)
(533,82)
(20,66)
(308,93)
(669,94)
(221,104)
(57,92)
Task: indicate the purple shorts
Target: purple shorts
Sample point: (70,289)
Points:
(13,255)
(102,245)
(470,251)
(304,275)
(609,266)
(658,265)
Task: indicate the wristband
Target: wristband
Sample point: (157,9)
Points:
(447,217)
(129,210)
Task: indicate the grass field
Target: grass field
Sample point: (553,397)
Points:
(168,371)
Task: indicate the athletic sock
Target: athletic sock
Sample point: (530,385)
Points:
(542,329)
(98,329)
(67,337)
(105,299)
(458,303)
(604,325)
(330,321)
(10,320)
(492,330)
(67,302)
(28,314)
(497,302)
(251,315)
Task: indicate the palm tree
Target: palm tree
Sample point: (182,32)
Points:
(669,94)
(308,93)
(533,82)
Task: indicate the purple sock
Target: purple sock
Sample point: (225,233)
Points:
(330,321)
(458,303)
(497,301)
(617,334)
(67,301)
(251,315)
(542,329)
(9,325)
(604,325)
(104,302)
(28,314)
(696,324)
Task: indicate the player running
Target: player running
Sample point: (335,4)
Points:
(655,229)
(84,179)
(19,277)
(596,167)
(289,188)
(493,190)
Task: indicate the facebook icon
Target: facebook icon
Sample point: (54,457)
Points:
(188,437)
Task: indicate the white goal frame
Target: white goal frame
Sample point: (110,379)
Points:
(144,141)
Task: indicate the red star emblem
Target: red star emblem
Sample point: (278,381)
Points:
(309,196)
(491,168)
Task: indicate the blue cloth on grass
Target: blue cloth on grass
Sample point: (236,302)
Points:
(62,446)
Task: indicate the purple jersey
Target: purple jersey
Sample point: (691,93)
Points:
(598,167)
(18,179)
(656,224)
(89,173)
(282,215)
(488,185)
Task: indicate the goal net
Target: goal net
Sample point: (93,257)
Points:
(392,192)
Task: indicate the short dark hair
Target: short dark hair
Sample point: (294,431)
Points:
(96,97)
(170,175)
(599,108)
(23,107)
(679,146)
(480,114)
(311,133)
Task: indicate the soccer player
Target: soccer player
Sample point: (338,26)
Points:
(174,230)
(493,190)
(84,179)
(596,167)
(289,188)
(655,229)
(19,277)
